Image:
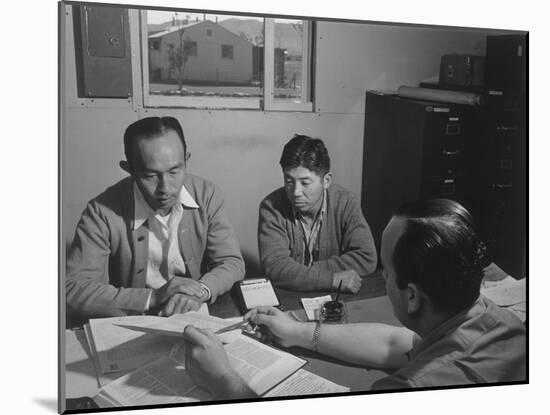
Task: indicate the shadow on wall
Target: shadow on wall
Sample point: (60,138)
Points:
(252,264)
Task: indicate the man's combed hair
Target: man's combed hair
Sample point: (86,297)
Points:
(440,252)
(149,128)
(307,152)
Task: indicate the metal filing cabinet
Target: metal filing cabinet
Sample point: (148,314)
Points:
(416,149)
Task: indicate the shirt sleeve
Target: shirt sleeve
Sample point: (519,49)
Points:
(391,383)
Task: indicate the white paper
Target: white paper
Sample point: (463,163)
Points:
(313,305)
(118,348)
(505,292)
(305,383)
(165,380)
(258,293)
(174,325)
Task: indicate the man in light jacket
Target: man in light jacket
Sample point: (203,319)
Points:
(158,241)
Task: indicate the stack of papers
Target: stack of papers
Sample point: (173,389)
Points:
(148,352)
(508,293)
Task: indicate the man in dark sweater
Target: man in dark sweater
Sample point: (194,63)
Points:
(311,233)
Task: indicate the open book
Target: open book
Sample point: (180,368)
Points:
(166,381)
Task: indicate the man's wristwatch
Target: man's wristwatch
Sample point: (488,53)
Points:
(208,292)
(316,337)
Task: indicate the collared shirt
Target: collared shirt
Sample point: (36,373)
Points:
(311,233)
(484,344)
(164,257)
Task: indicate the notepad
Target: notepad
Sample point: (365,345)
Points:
(313,305)
(258,292)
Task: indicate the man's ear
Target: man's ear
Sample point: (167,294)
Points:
(414,298)
(124,165)
(327,180)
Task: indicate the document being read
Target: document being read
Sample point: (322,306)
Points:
(305,383)
(166,381)
(118,344)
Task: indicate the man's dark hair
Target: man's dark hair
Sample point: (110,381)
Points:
(440,252)
(149,128)
(307,152)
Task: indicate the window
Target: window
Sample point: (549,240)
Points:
(252,62)
(190,48)
(227,51)
(154,44)
(291,65)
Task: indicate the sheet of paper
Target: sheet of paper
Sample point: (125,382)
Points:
(162,381)
(119,348)
(165,380)
(257,293)
(305,383)
(261,366)
(506,292)
(174,325)
(313,305)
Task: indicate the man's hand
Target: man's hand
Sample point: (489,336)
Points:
(180,303)
(282,329)
(351,281)
(208,365)
(180,285)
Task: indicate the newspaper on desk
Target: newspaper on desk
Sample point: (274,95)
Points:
(312,306)
(508,293)
(165,380)
(305,383)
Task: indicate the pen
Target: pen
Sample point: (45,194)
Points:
(238,325)
(338,291)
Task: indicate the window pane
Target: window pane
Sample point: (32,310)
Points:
(288,59)
(205,55)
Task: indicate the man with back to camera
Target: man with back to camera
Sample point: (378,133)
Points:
(155,242)
(452,335)
(311,233)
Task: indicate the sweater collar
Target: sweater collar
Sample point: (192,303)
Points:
(142,210)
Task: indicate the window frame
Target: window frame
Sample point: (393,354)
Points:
(193,47)
(227,48)
(266,103)
(270,102)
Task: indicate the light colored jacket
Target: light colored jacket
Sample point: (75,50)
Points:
(107,262)
(483,344)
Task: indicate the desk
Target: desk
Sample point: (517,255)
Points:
(81,377)
(227,305)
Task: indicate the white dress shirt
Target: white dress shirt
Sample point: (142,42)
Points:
(165,260)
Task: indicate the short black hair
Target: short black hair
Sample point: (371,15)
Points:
(307,152)
(150,127)
(439,251)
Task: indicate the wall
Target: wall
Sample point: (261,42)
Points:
(239,150)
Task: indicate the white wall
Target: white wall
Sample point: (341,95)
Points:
(239,150)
